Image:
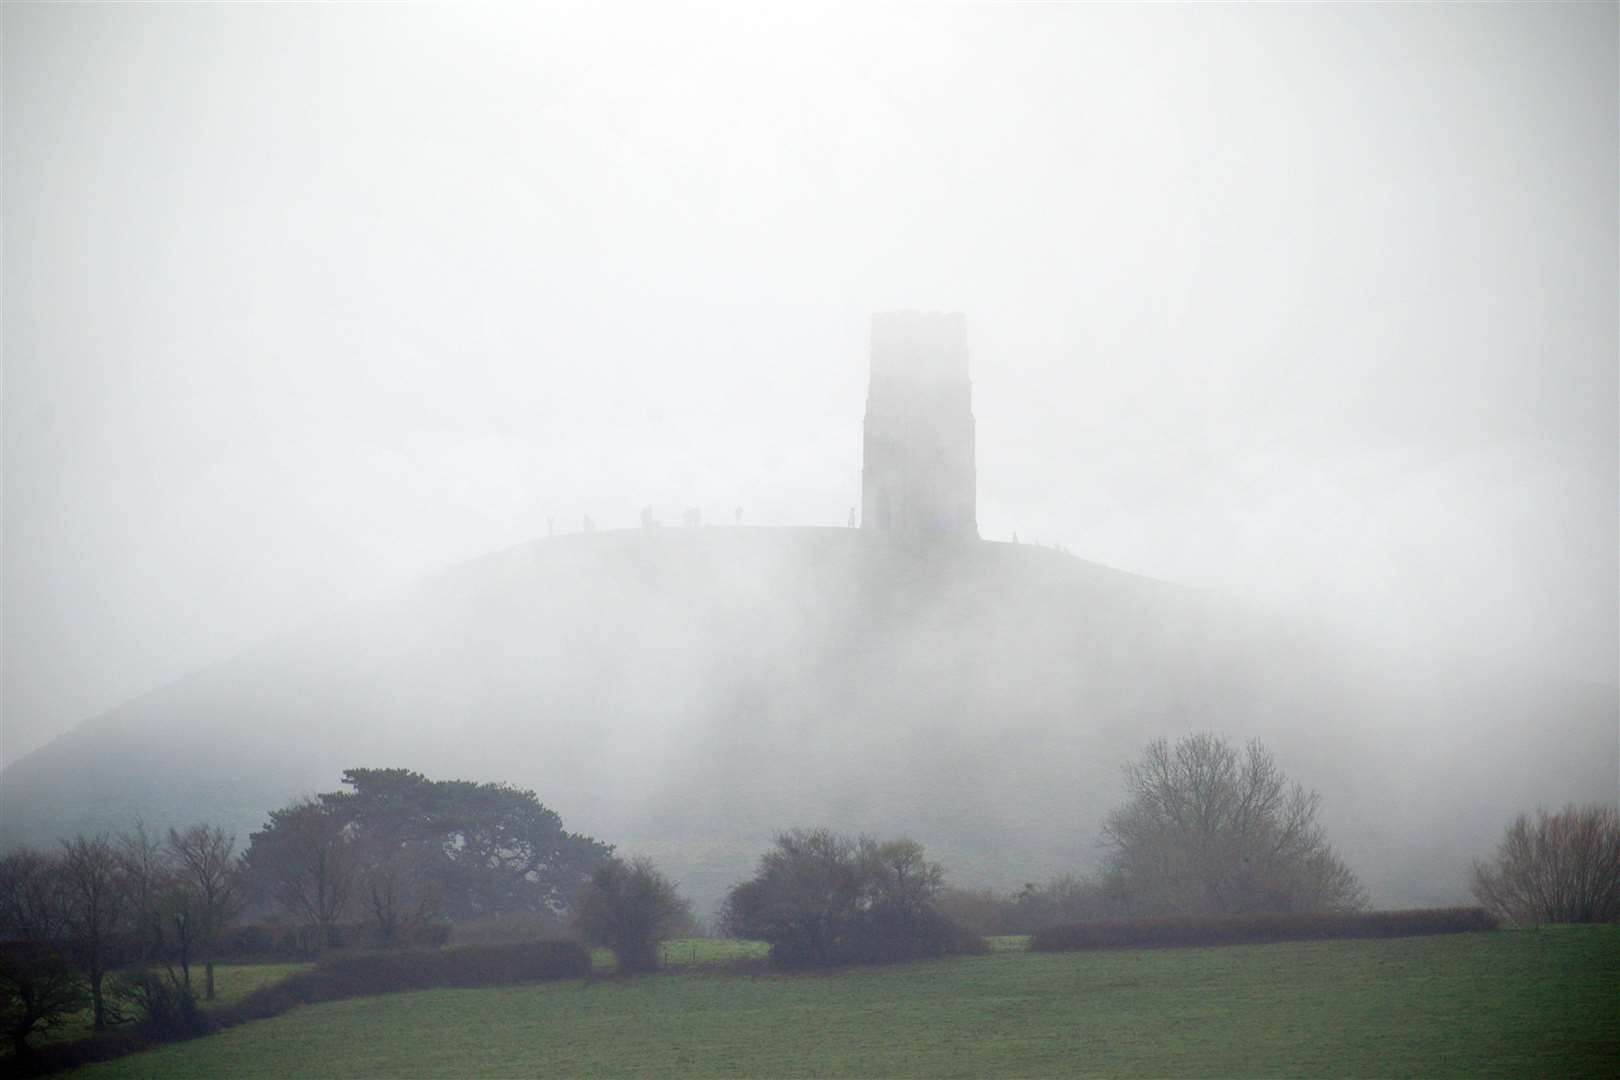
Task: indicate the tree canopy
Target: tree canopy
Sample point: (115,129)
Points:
(407,847)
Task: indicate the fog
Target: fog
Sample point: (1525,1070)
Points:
(1311,308)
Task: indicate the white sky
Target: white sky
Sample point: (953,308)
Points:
(1316,304)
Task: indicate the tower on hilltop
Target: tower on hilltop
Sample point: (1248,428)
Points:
(918,476)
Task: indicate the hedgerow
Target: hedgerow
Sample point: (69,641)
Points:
(1184,930)
(362,974)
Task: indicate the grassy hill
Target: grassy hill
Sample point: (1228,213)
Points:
(684,692)
(1511,1003)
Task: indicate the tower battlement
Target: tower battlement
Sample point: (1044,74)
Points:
(918,476)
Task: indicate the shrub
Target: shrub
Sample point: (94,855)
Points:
(39,990)
(820,898)
(1564,867)
(984,911)
(891,933)
(286,940)
(247,939)
(629,908)
(163,1006)
(431,935)
(511,928)
(1255,928)
(104,1046)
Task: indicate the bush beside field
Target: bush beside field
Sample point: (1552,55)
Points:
(1187,930)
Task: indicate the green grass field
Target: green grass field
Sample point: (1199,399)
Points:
(691,953)
(1503,1004)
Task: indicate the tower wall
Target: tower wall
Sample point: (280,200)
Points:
(918,474)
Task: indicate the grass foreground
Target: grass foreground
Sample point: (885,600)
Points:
(1510,1003)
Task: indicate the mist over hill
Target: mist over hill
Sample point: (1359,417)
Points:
(685,692)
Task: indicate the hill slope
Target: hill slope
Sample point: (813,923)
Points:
(685,692)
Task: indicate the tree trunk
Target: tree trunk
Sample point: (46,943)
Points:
(208,979)
(98,1003)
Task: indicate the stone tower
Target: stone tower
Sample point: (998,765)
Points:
(918,478)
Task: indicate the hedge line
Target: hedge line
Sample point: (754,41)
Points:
(262,939)
(1182,930)
(344,975)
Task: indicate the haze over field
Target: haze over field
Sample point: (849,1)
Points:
(1313,312)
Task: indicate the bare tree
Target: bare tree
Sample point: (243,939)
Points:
(39,988)
(391,887)
(93,909)
(206,867)
(177,904)
(1212,829)
(305,858)
(33,906)
(1562,867)
(900,873)
(145,869)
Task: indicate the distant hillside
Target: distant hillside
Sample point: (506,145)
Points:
(686,691)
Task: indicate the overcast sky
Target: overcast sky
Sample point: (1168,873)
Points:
(1314,304)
